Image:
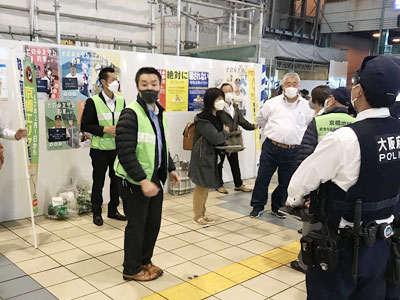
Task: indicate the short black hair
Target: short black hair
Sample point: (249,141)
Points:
(305,92)
(209,98)
(147,70)
(378,101)
(226,84)
(104,73)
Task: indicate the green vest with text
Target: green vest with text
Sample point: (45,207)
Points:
(330,122)
(106,118)
(145,146)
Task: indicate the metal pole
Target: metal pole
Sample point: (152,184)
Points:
(234,26)
(57,14)
(260,33)
(381,27)
(178,28)
(218,33)
(197,34)
(162,29)
(230,28)
(273,15)
(251,25)
(316,21)
(35,22)
(153,25)
(303,16)
(31,17)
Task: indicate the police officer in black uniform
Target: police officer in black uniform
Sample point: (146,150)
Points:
(359,165)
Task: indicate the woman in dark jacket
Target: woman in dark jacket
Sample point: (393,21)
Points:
(203,170)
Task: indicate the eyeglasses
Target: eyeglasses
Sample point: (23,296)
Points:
(356,78)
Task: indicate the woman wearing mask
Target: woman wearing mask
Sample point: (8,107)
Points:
(233,117)
(203,170)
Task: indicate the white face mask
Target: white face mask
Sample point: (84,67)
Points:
(219,105)
(228,98)
(353,101)
(291,92)
(325,105)
(312,104)
(113,86)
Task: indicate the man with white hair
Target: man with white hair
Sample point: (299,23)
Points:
(284,119)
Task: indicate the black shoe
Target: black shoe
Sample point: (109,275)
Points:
(255,213)
(278,214)
(98,220)
(296,266)
(300,231)
(117,216)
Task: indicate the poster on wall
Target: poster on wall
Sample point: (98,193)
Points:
(76,74)
(47,71)
(198,84)
(161,96)
(27,83)
(3,82)
(100,60)
(237,77)
(177,90)
(62,126)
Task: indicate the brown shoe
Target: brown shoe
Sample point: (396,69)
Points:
(222,190)
(153,269)
(243,188)
(143,275)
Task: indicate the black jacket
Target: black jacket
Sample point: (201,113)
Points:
(233,123)
(126,141)
(90,122)
(310,138)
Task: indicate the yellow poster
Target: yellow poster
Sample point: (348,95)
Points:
(251,77)
(102,59)
(177,90)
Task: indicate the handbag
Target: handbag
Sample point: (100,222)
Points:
(185,185)
(234,138)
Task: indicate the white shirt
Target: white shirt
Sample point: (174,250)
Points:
(337,158)
(6,133)
(110,102)
(285,122)
(230,110)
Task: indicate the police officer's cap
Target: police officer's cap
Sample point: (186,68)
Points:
(342,95)
(380,75)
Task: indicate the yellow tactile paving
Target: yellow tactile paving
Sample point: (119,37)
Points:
(292,247)
(184,291)
(237,272)
(154,297)
(212,283)
(260,263)
(280,256)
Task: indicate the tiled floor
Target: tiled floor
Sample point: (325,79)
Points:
(237,258)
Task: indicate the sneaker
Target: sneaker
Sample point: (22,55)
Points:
(201,222)
(255,213)
(209,220)
(300,231)
(296,266)
(278,214)
(243,188)
(222,190)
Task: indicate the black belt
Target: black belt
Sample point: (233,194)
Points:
(368,206)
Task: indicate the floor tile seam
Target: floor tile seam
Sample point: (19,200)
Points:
(35,290)
(239,283)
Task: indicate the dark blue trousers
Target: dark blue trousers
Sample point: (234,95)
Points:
(272,158)
(339,284)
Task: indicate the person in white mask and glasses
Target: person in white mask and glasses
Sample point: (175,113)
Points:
(233,118)
(284,120)
(100,118)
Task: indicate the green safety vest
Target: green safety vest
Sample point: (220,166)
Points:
(146,144)
(329,122)
(106,118)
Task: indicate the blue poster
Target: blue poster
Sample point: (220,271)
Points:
(198,84)
(76,74)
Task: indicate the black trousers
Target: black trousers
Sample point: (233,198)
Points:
(101,160)
(144,221)
(233,159)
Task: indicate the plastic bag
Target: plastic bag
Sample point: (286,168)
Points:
(61,202)
(84,197)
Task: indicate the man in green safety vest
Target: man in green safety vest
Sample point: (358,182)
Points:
(100,118)
(142,165)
